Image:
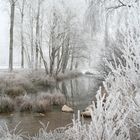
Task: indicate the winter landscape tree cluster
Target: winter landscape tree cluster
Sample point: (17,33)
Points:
(49,37)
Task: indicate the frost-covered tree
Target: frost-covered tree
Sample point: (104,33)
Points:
(12,18)
(21,6)
(63,48)
(105,18)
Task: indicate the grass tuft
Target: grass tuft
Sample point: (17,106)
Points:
(14,91)
(6,104)
(59,99)
(41,106)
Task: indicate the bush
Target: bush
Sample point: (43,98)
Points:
(23,103)
(68,75)
(40,78)
(41,106)
(26,106)
(14,91)
(6,104)
(15,83)
(6,134)
(45,96)
(59,99)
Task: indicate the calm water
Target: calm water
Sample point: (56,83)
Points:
(78,93)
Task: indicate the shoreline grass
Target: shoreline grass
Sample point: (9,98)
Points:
(6,104)
(20,82)
(16,87)
(40,104)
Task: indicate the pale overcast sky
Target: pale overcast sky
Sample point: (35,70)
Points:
(4,31)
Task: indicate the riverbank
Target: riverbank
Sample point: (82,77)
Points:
(22,91)
(75,92)
(21,81)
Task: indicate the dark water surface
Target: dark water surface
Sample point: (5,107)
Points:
(78,93)
(30,122)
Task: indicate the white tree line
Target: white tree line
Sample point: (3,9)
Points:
(44,30)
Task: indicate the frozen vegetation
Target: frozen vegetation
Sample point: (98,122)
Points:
(18,91)
(21,82)
(115,113)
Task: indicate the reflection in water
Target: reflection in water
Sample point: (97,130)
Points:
(78,93)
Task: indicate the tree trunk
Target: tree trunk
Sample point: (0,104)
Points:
(52,63)
(11,36)
(66,56)
(44,61)
(71,66)
(52,53)
(72,59)
(22,43)
(76,64)
(40,45)
(32,45)
(106,32)
(37,35)
(22,36)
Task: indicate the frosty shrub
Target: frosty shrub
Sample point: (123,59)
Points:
(6,104)
(40,78)
(15,84)
(58,99)
(6,134)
